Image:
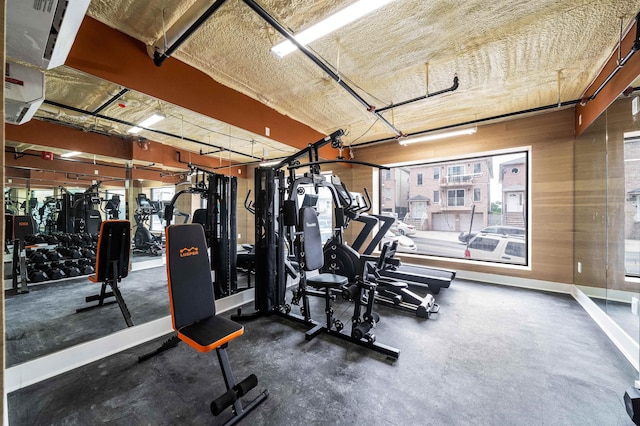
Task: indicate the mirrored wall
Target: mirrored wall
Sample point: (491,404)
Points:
(44,319)
(607,213)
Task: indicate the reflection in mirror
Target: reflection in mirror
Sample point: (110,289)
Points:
(44,319)
(607,219)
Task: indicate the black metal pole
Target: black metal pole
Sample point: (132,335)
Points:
(282,30)
(159,58)
(439,92)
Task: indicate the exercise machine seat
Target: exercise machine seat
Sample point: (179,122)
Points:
(200,216)
(112,265)
(311,253)
(193,311)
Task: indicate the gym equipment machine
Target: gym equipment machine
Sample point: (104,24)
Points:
(219,223)
(346,260)
(143,240)
(219,220)
(396,293)
(275,218)
(77,213)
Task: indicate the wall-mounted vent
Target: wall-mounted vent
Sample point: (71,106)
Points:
(41,32)
(23,93)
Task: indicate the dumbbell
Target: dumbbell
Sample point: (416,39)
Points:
(86,267)
(38,239)
(37,276)
(71,268)
(88,253)
(88,239)
(77,239)
(51,239)
(38,256)
(64,238)
(55,272)
(74,253)
(54,255)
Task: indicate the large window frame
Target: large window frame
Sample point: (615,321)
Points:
(442,231)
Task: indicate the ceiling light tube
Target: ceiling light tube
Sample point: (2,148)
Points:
(270,163)
(331,23)
(147,123)
(437,136)
(70,154)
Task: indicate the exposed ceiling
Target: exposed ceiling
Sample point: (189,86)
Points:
(509,56)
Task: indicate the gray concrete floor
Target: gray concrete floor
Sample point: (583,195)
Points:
(44,320)
(492,356)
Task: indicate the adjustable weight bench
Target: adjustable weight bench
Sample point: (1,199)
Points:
(193,313)
(112,264)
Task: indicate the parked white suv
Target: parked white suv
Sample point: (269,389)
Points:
(497,248)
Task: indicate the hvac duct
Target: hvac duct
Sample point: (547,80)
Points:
(41,32)
(24,93)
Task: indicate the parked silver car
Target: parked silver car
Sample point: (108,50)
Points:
(463,237)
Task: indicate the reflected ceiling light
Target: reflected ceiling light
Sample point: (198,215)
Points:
(146,123)
(269,163)
(70,154)
(436,136)
(329,24)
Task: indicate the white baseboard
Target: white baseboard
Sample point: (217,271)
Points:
(515,281)
(48,366)
(625,344)
(608,294)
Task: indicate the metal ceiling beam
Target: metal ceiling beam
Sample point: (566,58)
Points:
(110,101)
(127,123)
(282,30)
(160,57)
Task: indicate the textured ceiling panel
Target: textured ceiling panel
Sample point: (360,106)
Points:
(509,55)
(181,128)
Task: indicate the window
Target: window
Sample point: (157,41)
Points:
(515,249)
(387,174)
(484,244)
(455,198)
(442,206)
(455,174)
(387,193)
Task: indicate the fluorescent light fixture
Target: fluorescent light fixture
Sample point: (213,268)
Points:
(338,20)
(436,136)
(146,123)
(270,163)
(70,154)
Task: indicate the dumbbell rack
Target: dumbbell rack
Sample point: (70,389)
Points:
(57,256)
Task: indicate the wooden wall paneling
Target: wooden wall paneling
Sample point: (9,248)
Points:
(550,137)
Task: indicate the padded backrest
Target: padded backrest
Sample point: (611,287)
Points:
(200,216)
(114,243)
(311,244)
(189,274)
(22,225)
